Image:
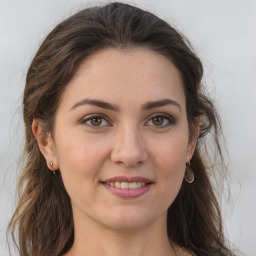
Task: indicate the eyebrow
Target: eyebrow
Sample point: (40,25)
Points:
(98,103)
(106,105)
(160,103)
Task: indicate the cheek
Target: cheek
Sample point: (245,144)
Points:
(169,159)
(171,152)
(80,156)
(80,162)
(171,164)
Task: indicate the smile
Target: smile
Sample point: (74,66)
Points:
(126,185)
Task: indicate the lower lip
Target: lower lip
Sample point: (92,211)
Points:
(128,193)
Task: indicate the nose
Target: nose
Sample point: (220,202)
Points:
(128,148)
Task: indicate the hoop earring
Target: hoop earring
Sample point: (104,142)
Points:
(51,164)
(189,176)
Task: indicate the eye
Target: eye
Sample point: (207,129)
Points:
(160,121)
(95,121)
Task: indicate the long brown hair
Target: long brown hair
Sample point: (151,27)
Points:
(43,220)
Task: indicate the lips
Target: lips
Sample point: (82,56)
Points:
(128,187)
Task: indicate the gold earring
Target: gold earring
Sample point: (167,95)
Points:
(51,164)
(189,175)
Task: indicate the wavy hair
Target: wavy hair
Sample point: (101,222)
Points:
(42,223)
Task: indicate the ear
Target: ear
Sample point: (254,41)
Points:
(193,138)
(46,145)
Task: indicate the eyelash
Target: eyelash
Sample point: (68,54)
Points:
(102,117)
(94,116)
(170,120)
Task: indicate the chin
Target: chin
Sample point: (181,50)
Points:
(128,219)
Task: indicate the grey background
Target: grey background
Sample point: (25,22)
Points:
(224,36)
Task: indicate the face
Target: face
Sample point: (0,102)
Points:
(121,138)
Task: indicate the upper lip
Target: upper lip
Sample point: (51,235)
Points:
(128,179)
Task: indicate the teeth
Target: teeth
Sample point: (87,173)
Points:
(126,185)
(132,185)
(117,184)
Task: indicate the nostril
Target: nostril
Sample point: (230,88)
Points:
(129,155)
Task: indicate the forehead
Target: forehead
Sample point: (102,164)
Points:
(131,74)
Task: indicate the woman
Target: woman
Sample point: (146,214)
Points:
(115,120)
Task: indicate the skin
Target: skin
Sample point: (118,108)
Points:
(128,142)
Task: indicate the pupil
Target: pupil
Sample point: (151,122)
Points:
(158,120)
(96,121)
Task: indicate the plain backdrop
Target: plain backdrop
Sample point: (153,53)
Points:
(223,33)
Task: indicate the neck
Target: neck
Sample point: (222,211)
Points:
(91,240)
